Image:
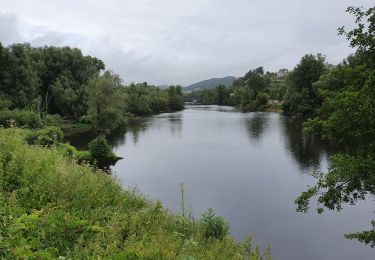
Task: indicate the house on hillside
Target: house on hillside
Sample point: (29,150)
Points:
(282,73)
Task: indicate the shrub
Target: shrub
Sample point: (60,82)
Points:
(5,104)
(20,118)
(261,101)
(66,149)
(53,120)
(214,226)
(45,137)
(100,151)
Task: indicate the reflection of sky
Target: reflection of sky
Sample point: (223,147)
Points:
(248,167)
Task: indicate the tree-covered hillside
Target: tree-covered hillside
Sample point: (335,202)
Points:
(210,83)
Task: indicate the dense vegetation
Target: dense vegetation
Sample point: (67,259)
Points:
(52,208)
(37,82)
(45,194)
(347,113)
(256,91)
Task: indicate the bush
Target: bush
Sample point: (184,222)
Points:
(5,104)
(100,151)
(53,120)
(262,99)
(20,118)
(214,226)
(45,137)
(66,149)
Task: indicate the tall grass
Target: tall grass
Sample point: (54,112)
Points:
(51,207)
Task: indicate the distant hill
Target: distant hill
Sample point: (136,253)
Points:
(210,83)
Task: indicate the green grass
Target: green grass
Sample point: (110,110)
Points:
(66,149)
(51,207)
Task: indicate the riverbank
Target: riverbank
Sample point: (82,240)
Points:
(51,207)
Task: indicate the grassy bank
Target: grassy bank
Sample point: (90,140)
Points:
(50,207)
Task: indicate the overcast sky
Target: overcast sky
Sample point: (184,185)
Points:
(183,41)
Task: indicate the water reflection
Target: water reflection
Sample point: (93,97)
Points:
(307,151)
(256,124)
(175,124)
(136,128)
(212,108)
(80,140)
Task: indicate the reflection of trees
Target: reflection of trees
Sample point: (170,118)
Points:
(306,151)
(136,129)
(80,139)
(117,137)
(256,125)
(175,124)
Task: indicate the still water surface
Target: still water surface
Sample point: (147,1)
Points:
(249,167)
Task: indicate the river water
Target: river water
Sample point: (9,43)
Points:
(249,167)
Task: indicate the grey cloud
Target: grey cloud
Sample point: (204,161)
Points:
(169,41)
(8,29)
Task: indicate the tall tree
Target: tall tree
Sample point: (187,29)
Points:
(18,81)
(301,97)
(106,102)
(348,115)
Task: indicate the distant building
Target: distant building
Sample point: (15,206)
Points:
(282,73)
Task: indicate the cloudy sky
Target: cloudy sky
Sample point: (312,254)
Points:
(183,41)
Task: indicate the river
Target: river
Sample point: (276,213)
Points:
(249,167)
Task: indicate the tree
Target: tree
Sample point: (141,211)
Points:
(176,100)
(18,81)
(62,73)
(348,115)
(106,102)
(101,153)
(247,88)
(301,97)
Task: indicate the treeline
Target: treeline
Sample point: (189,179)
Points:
(62,81)
(252,92)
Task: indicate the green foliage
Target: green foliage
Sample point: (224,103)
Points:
(51,76)
(214,226)
(100,151)
(247,89)
(347,114)
(50,207)
(362,37)
(5,104)
(63,72)
(20,118)
(106,102)
(67,84)
(255,91)
(366,237)
(47,136)
(53,120)
(144,99)
(277,89)
(67,150)
(175,99)
(18,80)
(301,97)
